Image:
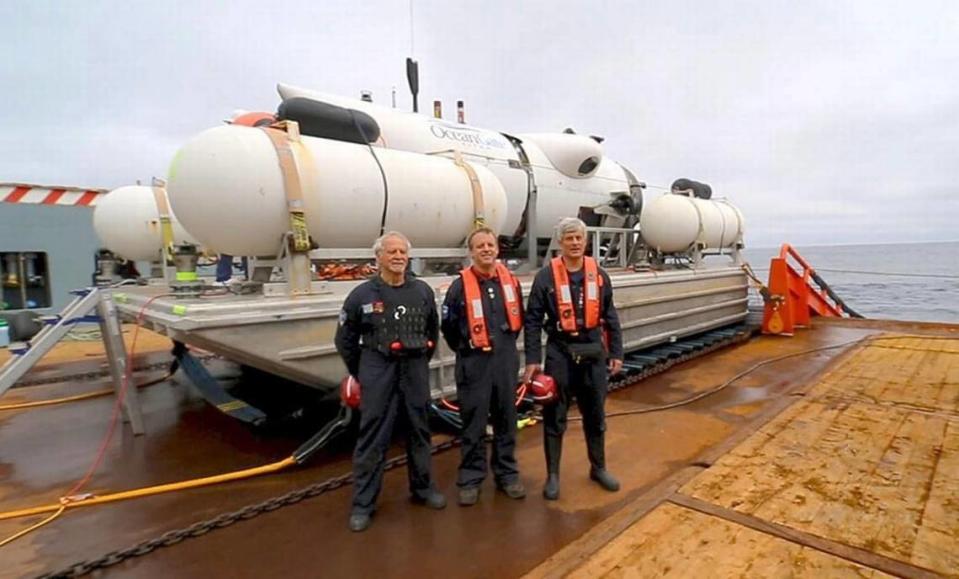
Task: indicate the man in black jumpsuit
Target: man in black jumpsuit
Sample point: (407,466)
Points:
(486,372)
(386,336)
(586,379)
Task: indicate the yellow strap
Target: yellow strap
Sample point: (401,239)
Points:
(479,209)
(291,181)
(166,222)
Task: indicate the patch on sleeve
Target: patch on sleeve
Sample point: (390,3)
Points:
(342,317)
(368,308)
(446,312)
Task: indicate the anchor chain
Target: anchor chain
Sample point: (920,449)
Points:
(201,528)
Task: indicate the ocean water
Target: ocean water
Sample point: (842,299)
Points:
(908,297)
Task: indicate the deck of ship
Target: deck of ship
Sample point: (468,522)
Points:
(841,461)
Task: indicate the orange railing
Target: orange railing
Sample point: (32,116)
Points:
(793,297)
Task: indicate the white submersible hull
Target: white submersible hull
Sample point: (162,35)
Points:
(364,168)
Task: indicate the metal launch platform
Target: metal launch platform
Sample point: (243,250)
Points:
(292,336)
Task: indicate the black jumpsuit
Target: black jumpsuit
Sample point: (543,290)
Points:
(485,383)
(392,384)
(586,381)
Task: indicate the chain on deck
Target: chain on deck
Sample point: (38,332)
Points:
(638,366)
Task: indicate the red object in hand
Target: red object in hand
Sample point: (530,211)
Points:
(350,392)
(396,346)
(430,344)
(543,388)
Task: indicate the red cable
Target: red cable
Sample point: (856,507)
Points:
(449,405)
(520,393)
(117,406)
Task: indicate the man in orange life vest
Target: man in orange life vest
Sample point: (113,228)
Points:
(482,316)
(576,297)
(386,336)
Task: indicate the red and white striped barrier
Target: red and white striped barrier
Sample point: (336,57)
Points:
(47,195)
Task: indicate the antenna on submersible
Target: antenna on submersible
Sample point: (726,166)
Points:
(413,77)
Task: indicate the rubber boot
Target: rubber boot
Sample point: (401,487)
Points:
(596,449)
(554,452)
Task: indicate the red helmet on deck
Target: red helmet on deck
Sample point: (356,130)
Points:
(350,392)
(543,388)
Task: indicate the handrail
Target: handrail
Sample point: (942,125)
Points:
(797,293)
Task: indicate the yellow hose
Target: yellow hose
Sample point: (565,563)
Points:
(32,528)
(94,394)
(154,490)
(88,395)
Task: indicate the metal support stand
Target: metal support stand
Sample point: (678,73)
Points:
(27,354)
(119,362)
(298,273)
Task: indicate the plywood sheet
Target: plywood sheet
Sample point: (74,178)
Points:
(869,459)
(921,373)
(673,541)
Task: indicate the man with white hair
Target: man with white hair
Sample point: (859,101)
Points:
(387,334)
(584,341)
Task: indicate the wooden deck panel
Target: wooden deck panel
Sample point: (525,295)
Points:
(869,459)
(919,373)
(673,541)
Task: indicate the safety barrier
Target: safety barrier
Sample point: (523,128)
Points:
(793,297)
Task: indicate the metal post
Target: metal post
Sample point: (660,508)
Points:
(298,273)
(532,242)
(117,358)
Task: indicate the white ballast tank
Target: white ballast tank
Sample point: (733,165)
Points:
(674,223)
(226,187)
(127,222)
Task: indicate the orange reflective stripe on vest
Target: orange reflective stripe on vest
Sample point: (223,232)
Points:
(476,318)
(564,296)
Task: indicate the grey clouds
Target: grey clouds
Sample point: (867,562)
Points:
(825,122)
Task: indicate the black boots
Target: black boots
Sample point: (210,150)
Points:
(605,480)
(551,488)
(554,452)
(359,522)
(596,449)
(430,498)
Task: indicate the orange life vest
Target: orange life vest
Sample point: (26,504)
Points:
(592,285)
(479,336)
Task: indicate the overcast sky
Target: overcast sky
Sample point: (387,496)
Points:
(824,121)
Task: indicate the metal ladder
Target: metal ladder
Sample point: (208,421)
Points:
(27,354)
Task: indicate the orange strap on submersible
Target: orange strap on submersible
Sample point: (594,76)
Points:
(479,336)
(166,221)
(564,297)
(282,140)
(476,188)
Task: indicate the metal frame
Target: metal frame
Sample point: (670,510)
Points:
(26,355)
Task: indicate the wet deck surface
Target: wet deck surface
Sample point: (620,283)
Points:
(43,451)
